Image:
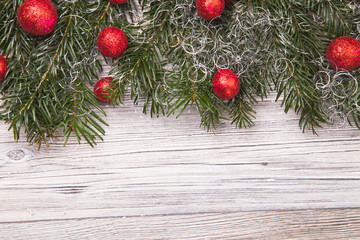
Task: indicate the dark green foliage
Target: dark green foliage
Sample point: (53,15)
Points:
(170,61)
(300,32)
(45,92)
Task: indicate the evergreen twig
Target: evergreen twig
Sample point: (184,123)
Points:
(171,58)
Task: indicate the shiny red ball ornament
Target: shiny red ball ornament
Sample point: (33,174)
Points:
(343,53)
(99,89)
(3,67)
(112,42)
(118,1)
(210,9)
(37,17)
(226,84)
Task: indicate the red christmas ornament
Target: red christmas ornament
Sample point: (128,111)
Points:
(343,53)
(37,17)
(118,1)
(112,42)
(3,67)
(99,89)
(210,9)
(226,84)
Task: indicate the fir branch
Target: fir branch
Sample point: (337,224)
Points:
(172,56)
(140,66)
(68,103)
(243,114)
(189,85)
(296,22)
(102,16)
(298,43)
(44,77)
(252,40)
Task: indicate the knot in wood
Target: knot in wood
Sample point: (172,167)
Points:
(16,155)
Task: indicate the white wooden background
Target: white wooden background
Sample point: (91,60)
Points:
(167,178)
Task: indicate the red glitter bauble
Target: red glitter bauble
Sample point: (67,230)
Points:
(99,89)
(118,1)
(112,42)
(226,84)
(3,67)
(210,9)
(37,17)
(343,53)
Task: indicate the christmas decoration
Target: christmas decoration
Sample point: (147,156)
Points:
(112,42)
(270,45)
(37,17)
(210,9)
(344,53)
(226,84)
(3,68)
(118,1)
(100,89)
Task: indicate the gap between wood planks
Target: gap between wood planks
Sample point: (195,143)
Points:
(335,211)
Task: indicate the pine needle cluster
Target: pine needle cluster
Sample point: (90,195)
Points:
(172,56)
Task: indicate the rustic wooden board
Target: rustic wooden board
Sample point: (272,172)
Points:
(305,224)
(171,166)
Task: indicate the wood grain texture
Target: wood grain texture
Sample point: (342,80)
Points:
(304,224)
(167,172)
(166,166)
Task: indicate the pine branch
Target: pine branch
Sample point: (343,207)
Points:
(68,103)
(243,114)
(44,77)
(171,59)
(251,40)
(189,85)
(102,16)
(140,67)
(297,43)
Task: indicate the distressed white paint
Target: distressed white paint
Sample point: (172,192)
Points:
(306,224)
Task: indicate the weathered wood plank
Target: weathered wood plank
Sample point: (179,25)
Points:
(304,224)
(170,166)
